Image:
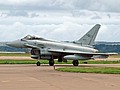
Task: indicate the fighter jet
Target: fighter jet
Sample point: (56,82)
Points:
(81,49)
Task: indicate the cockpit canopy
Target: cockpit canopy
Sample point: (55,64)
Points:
(30,37)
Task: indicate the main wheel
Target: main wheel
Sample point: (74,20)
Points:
(38,63)
(75,63)
(51,62)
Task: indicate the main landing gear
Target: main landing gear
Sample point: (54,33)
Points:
(51,62)
(60,59)
(75,62)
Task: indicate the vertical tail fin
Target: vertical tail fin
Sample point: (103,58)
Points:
(89,37)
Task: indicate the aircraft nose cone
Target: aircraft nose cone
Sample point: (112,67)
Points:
(8,43)
(13,44)
(17,44)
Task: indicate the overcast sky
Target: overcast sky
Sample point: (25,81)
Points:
(59,19)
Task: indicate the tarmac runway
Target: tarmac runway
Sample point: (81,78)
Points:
(31,77)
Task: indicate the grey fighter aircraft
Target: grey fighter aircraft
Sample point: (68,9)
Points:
(47,49)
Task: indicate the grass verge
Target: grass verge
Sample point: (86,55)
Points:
(14,54)
(30,62)
(100,62)
(102,70)
(17,62)
(56,62)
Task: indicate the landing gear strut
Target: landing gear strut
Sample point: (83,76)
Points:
(75,63)
(60,59)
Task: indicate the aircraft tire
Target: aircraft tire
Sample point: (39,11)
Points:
(38,63)
(51,62)
(75,63)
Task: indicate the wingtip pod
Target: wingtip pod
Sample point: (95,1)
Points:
(112,53)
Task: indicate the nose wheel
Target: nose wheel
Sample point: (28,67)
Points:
(38,63)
